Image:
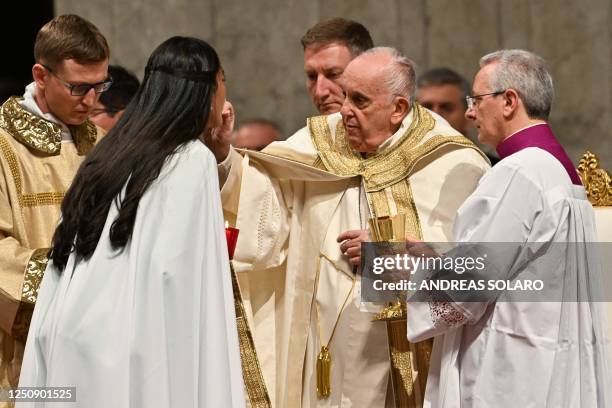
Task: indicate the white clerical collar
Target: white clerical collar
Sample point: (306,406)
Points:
(29,103)
(526,127)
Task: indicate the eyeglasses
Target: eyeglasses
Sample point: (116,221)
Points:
(470,99)
(83,89)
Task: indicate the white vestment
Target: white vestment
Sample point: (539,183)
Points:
(290,214)
(516,353)
(152,325)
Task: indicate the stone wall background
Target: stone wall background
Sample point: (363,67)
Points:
(258,42)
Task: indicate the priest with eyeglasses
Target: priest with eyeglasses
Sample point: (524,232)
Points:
(531,216)
(44,136)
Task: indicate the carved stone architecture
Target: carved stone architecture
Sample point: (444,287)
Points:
(258,42)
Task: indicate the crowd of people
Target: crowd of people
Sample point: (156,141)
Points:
(115,274)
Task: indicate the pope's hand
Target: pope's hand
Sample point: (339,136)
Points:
(350,244)
(218,141)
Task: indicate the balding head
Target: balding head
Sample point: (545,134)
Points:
(379,87)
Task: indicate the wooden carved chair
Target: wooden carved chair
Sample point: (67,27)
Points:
(598,186)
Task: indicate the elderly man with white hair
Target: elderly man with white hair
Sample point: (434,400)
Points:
(547,348)
(303,205)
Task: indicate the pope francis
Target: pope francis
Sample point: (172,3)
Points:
(303,206)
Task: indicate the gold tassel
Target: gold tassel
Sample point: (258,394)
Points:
(324,373)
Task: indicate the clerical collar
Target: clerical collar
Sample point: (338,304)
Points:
(540,136)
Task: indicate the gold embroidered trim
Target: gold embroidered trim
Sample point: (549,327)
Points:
(11,159)
(318,164)
(335,153)
(394,311)
(379,170)
(84,137)
(254,384)
(379,203)
(401,364)
(597,181)
(402,196)
(409,363)
(405,371)
(423,356)
(26,200)
(404,201)
(40,134)
(29,129)
(38,199)
(388,167)
(34,271)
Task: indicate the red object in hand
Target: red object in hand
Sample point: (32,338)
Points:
(231,235)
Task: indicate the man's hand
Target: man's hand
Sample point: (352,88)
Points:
(416,247)
(350,244)
(218,140)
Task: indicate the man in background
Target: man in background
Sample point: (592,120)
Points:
(255,134)
(443,91)
(44,136)
(109,108)
(328,48)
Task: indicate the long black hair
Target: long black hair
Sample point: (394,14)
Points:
(170,108)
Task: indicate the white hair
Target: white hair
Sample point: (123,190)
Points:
(526,73)
(400,76)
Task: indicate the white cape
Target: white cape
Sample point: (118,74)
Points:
(152,326)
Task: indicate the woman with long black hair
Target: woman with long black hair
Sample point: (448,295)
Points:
(136,307)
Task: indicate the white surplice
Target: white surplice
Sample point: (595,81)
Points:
(152,326)
(516,353)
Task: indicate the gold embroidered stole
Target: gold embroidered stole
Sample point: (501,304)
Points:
(387,186)
(43,138)
(40,134)
(385,175)
(254,384)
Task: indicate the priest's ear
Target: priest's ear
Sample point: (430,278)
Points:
(41,75)
(512,103)
(401,106)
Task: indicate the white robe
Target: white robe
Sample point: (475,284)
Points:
(513,353)
(154,325)
(290,215)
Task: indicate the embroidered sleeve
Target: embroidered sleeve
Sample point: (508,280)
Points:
(443,313)
(33,275)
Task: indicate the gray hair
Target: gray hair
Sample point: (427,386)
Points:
(526,73)
(400,78)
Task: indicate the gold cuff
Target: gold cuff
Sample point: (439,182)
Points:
(33,275)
